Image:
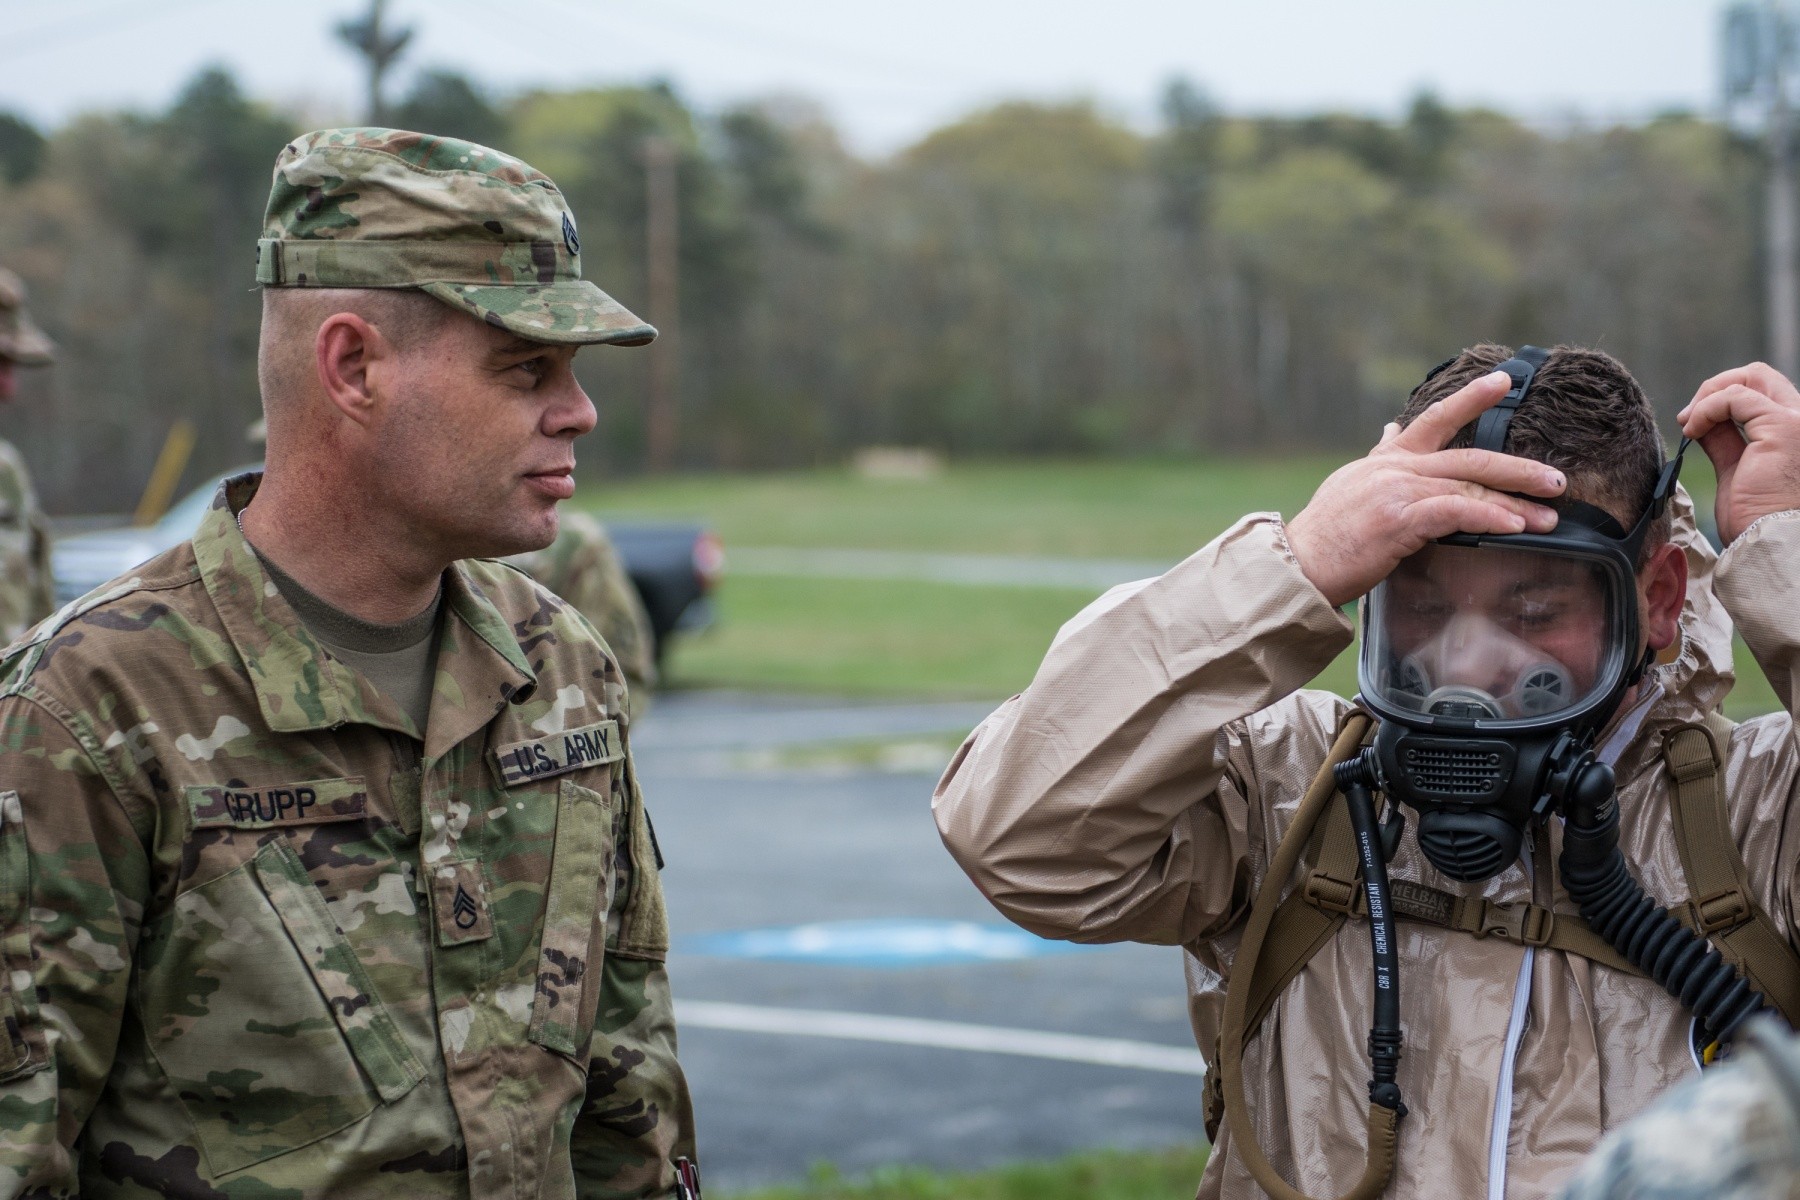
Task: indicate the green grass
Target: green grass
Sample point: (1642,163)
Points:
(865,637)
(1101,1175)
(870,637)
(917,638)
(1157,510)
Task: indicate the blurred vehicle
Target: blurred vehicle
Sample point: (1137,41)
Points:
(674,565)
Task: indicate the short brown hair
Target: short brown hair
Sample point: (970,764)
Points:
(1584,415)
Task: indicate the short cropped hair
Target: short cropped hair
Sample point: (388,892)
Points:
(1584,415)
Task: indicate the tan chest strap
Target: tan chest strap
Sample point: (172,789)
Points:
(1721,906)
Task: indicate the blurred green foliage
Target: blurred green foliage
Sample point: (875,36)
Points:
(1033,279)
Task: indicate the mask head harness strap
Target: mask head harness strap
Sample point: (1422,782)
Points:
(1522,368)
(1490,434)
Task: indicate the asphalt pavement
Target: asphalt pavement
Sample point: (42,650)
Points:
(846,995)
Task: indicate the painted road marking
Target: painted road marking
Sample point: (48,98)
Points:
(887,942)
(944,1035)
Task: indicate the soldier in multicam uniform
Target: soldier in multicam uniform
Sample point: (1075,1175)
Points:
(1732,1133)
(582,566)
(324,870)
(27,594)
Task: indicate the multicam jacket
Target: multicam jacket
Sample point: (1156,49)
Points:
(582,566)
(1730,1134)
(26,594)
(262,939)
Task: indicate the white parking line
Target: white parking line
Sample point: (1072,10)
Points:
(946,1035)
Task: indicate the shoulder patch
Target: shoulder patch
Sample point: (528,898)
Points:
(540,758)
(315,802)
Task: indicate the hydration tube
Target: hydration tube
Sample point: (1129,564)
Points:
(1354,777)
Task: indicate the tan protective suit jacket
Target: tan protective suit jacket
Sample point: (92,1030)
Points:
(1136,791)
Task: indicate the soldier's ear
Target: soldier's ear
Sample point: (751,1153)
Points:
(344,350)
(1663,582)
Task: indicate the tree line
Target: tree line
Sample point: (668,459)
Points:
(1034,279)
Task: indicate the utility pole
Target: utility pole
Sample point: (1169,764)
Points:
(662,248)
(1759,69)
(1784,292)
(379,46)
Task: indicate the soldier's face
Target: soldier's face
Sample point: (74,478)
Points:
(480,435)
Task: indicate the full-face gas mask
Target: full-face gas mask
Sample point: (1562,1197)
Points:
(1488,655)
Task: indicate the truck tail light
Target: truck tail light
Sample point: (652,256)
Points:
(709,560)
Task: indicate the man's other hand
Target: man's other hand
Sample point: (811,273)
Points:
(1748,422)
(1371,513)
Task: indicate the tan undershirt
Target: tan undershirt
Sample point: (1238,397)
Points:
(399,660)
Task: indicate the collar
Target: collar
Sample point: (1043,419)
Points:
(300,688)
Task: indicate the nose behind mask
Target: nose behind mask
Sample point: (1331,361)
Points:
(1520,682)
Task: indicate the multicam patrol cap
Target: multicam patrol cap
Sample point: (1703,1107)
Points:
(478,229)
(20,338)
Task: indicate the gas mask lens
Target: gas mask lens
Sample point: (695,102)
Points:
(1492,633)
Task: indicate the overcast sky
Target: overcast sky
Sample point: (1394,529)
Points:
(888,72)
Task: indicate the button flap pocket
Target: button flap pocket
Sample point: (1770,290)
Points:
(337,971)
(562,1011)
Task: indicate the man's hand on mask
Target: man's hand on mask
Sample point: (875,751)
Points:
(1375,511)
(1748,422)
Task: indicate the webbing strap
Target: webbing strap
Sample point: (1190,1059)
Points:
(1308,916)
(1331,892)
(1721,905)
(1521,368)
(1724,908)
(1382,1134)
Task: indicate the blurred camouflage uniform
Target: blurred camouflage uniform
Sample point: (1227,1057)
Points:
(582,566)
(27,594)
(262,936)
(1733,1133)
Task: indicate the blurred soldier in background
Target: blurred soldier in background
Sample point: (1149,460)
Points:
(26,593)
(583,567)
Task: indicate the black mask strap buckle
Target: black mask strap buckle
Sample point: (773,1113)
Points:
(1660,496)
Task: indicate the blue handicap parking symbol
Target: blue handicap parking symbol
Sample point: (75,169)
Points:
(895,942)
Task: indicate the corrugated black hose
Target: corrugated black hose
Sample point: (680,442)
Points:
(1615,906)
(1354,778)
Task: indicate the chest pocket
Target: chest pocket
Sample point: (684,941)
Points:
(263,1017)
(577,897)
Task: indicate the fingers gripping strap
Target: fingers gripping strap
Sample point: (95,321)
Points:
(1522,368)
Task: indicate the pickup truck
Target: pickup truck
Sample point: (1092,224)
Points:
(673,565)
